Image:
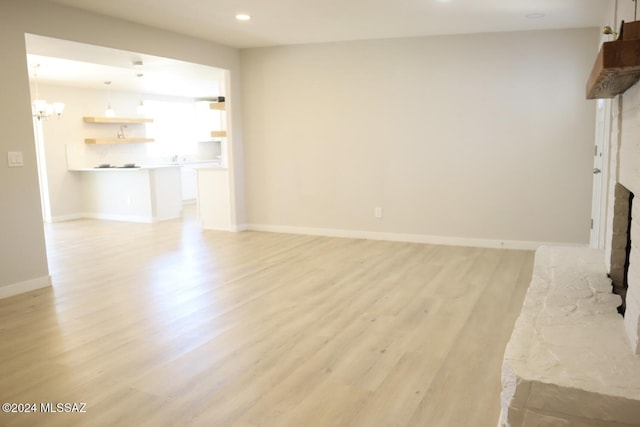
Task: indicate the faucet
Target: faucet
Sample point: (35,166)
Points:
(121,132)
(174,158)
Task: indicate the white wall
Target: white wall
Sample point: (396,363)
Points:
(22,249)
(465,139)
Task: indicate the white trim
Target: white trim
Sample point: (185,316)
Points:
(411,238)
(26,286)
(64,218)
(127,218)
(600,187)
(110,217)
(217,228)
(238,228)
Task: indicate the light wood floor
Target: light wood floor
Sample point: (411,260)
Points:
(165,325)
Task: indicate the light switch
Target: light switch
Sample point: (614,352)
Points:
(15,160)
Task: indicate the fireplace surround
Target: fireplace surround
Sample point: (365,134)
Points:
(572,359)
(624,181)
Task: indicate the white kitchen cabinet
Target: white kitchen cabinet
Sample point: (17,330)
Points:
(213,198)
(189,184)
(190,179)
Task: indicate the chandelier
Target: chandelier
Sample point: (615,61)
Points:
(41,109)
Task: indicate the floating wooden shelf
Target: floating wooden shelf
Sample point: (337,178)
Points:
(117,120)
(116,140)
(220,106)
(617,66)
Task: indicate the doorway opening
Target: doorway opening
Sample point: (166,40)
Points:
(75,73)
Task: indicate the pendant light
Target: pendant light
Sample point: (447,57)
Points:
(109,112)
(140,109)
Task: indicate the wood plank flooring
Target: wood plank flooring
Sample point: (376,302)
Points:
(166,325)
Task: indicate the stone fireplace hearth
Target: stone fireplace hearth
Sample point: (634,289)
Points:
(568,362)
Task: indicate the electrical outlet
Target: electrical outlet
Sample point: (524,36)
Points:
(15,159)
(377,212)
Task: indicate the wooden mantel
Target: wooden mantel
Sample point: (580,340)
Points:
(617,66)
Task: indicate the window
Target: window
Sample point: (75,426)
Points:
(177,128)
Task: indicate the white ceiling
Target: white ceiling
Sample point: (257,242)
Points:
(282,22)
(68,63)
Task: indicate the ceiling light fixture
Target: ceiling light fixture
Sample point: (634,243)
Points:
(41,109)
(243,17)
(109,112)
(535,15)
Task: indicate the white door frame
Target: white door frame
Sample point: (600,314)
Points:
(601,174)
(604,125)
(41,163)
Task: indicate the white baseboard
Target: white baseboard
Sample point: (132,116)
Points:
(26,286)
(70,217)
(127,218)
(403,237)
(109,217)
(238,228)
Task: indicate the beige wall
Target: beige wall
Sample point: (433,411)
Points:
(479,137)
(482,139)
(22,248)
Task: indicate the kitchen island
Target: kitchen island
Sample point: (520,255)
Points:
(148,193)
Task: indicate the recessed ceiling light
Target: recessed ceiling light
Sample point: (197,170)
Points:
(243,17)
(535,15)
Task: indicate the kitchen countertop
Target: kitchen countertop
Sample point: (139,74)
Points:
(195,162)
(203,163)
(121,169)
(216,168)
